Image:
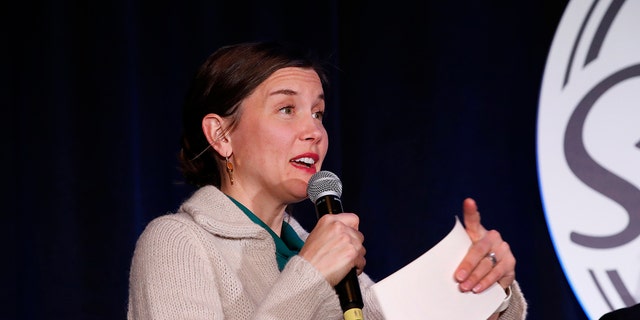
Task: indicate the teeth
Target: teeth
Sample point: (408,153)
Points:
(307,161)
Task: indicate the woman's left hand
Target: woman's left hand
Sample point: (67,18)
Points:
(478,270)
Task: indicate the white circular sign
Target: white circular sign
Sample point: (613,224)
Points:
(589,151)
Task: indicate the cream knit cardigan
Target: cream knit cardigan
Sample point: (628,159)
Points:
(209,261)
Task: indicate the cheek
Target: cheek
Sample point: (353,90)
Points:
(324,147)
(274,140)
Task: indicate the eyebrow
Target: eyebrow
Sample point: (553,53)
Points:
(290,92)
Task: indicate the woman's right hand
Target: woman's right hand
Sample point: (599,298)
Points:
(334,246)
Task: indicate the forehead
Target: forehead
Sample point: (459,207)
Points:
(293,77)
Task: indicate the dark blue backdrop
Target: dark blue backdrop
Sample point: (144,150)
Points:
(431,102)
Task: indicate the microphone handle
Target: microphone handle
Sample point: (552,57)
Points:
(348,288)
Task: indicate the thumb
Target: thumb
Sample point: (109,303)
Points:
(472,220)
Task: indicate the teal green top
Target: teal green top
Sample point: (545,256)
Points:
(287,245)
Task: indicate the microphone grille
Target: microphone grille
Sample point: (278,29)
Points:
(323,183)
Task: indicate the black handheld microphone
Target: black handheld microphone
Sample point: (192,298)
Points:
(324,190)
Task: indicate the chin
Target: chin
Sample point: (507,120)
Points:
(298,191)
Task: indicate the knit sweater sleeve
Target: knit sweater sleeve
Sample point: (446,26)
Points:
(167,272)
(517,309)
(303,293)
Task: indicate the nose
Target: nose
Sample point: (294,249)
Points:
(313,130)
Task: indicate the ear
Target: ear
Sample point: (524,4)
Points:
(214,130)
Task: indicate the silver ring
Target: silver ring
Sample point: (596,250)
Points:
(492,257)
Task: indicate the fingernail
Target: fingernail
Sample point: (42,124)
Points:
(461,275)
(477,288)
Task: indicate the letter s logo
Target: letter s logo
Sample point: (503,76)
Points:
(596,176)
(589,151)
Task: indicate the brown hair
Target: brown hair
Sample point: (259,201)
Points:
(221,83)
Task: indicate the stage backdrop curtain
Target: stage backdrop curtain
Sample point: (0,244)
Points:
(430,102)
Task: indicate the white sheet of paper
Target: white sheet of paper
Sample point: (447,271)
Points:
(426,288)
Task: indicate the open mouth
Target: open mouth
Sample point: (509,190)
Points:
(305,162)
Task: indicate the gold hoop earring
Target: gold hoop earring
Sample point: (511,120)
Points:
(229,166)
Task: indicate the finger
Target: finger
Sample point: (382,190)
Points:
(341,229)
(488,279)
(334,251)
(346,223)
(472,259)
(480,272)
(362,262)
(503,273)
(343,259)
(349,219)
(472,220)
(486,273)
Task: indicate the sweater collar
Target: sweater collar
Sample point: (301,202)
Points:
(288,244)
(216,213)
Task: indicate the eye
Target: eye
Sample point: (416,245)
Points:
(286,110)
(318,115)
